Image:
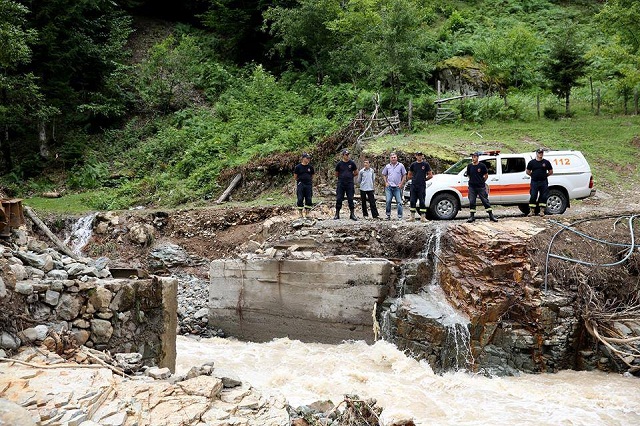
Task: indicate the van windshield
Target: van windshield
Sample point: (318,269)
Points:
(458,167)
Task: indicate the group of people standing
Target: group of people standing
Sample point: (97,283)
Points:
(395,175)
(347,173)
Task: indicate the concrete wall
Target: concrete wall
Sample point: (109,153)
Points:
(321,300)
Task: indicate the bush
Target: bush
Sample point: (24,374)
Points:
(551,113)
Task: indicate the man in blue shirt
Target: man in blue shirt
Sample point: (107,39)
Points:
(394,176)
(346,170)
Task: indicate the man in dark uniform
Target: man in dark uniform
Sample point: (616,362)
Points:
(539,169)
(303,175)
(419,173)
(478,174)
(346,170)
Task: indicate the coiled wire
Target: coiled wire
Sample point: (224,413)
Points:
(631,246)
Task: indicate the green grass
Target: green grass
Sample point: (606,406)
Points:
(71,204)
(610,144)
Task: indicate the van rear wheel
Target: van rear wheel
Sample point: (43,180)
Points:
(557,202)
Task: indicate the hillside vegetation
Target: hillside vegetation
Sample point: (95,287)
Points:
(163,101)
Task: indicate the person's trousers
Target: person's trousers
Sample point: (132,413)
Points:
(391,192)
(344,188)
(539,192)
(370,197)
(304,191)
(478,193)
(417,195)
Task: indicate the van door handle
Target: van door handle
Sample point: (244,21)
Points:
(526,177)
(495,180)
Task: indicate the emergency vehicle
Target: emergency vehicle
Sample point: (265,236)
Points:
(508,184)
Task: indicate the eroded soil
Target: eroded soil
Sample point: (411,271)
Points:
(221,231)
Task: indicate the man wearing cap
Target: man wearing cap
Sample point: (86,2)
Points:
(303,176)
(394,175)
(478,174)
(346,170)
(419,173)
(539,169)
(367,180)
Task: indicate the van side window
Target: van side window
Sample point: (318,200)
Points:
(491,165)
(513,165)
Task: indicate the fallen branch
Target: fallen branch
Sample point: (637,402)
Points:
(230,188)
(40,224)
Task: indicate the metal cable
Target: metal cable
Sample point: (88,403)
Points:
(570,228)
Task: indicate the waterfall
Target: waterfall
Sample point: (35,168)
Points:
(456,353)
(80,233)
(387,323)
(412,320)
(433,248)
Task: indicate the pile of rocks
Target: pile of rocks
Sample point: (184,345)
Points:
(69,395)
(193,310)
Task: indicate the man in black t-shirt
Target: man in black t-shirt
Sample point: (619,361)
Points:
(346,170)
(419,173)
(539,169)
(478,174)
(303,175)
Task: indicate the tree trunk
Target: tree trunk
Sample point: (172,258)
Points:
(6,150)
(566,104)
(42,137)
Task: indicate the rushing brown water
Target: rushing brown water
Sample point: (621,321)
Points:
(408,389)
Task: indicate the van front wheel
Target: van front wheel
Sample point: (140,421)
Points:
(444,207)
(557,202)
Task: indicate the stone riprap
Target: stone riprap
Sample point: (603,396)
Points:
(319,300)
(75,396)
(43,291)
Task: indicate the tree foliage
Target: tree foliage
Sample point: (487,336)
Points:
(511,57)
(236,80)
(566,66)
(20,97)
(622,17)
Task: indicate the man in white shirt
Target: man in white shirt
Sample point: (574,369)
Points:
(366,181)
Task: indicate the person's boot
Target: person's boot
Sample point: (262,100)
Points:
(423,218)
(304,213)
(337,216)
(352,216)
(492,218)
(472,218)
(410,218)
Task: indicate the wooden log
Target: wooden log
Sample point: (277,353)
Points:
(229,189)
(40,224)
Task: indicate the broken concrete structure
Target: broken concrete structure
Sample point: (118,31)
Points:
(321,300)
(47,295)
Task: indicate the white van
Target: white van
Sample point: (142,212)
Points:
(509,184)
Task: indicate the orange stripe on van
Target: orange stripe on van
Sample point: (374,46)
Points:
(499,190)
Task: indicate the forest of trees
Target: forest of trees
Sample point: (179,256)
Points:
(225,81)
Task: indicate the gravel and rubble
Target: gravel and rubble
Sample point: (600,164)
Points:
(45,393)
